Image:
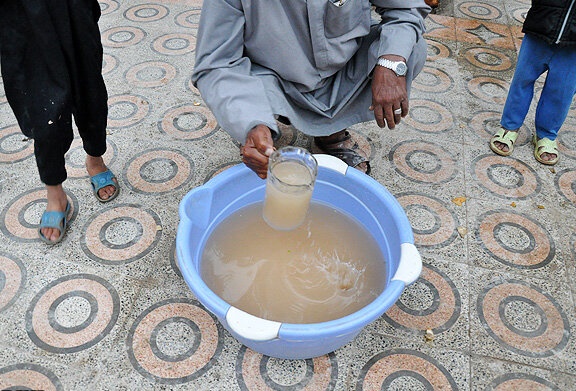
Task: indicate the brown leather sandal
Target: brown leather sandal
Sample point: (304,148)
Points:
(349,155)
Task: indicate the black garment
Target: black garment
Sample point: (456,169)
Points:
(554,21)
(51,61)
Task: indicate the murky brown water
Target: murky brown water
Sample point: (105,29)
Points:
(327,268)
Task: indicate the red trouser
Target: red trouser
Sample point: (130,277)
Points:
(51,61)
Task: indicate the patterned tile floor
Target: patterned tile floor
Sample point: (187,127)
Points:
(107,309)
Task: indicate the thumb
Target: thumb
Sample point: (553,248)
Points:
(269,151)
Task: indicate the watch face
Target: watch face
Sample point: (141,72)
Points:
(401,69)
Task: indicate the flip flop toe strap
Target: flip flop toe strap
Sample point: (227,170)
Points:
(506,137)
(545,145)
(100,181)
(53,219)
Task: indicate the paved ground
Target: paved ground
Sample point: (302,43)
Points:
(107,309)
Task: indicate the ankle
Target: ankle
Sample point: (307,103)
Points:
(56,197)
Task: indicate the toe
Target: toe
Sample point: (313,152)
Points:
(51,234)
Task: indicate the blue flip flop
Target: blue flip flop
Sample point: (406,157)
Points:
(102,180)
(54,219)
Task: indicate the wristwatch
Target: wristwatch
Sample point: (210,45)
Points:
(399,67)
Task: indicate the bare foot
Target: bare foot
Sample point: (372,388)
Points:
(95,165)
(547,157)
(57,201)
(501,146)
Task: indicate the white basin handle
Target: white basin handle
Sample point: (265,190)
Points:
(251,327)
(410,265)
(331,162)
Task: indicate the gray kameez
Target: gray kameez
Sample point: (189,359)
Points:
(308,60)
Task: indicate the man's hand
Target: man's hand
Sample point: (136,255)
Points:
(389,95)
(257,149)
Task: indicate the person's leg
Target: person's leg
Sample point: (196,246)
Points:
(80,38)
(530,65)
(556,96)
(37,89)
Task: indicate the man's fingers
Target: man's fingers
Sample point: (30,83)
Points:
(379,116)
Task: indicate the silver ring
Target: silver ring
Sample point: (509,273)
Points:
(398,111)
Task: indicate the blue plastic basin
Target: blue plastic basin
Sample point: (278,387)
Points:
(348,190)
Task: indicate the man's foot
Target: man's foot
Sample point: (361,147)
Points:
(57,202)
(95,166)
(342,146)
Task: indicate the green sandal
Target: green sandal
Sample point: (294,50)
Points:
(506,137)
(545,145)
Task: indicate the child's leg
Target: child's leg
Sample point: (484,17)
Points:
(84,51)
(530,65)
(557,93)
(88,90)
(36,84)
(35,80)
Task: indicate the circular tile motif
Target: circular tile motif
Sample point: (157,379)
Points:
(157,171)
(2,94)
(27,376)
(14,146)
(174,341)
(433,224)
(76,158)
(188,122)
(506,177)
(520,15)
(126,110)
(72,313)
(288,136)
(429,117)
(122,37)
(21,217)
(433,80)
(423,161)
(404,369)
(523,319)
(432,302)
(151,74)
(189,19)
(573,245)
(257,372)
(567,140)
(194,90)
(437,50)
(174,260)
(565,182)
(108,6)
(121,234)
(174,44)
(109,63)
(486,123)
(218,169)
(12,280)
(488,59)
(478,10)
(146,13)
(515,240)
(489,89)
(521,381)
